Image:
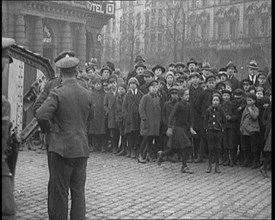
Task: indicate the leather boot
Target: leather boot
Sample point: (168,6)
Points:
(226,161)
(209,169)
(217,169)
(141,160)
(149,158)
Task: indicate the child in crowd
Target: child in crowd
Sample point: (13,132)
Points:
(170,78)
(250,130)
(131,116)
(229,136)
(150,114)
(110,107)
(97,126)
(245,84)
(214,125)
(121,91)
(148,77)
(158,71)
(105,72)
(180,128)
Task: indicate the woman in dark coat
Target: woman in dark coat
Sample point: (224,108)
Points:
(180,127)
(97,125)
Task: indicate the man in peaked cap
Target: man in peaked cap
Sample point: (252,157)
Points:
(230,71)
(8,201)
(67,111)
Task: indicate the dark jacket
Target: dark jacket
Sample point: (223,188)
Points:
(180,115)
(150,114)
(195,113)
(214,119)
(166,111)
(110,108)
(266,120)
(230,110)
(204,101)
(70,107)
(130,111)
(97,125)
(235,82)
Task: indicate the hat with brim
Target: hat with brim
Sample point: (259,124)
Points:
(112,78)
(171,64)
(194,74)
(252,96)
(210,78)
(158,67)
(148,73)
(230,64)
(110,65)
(153,83)
(264,71)
(238,92)
(173,89)
(179,64)
(105,67)
(64,53)
(252,64)
(6,43)
(139,58)
(220,84)
(205,66)
(182,78)
(140,64)
(226,91)
(178,72)
(192,61)
(67,63)
(246,80)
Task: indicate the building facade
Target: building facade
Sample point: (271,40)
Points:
(48,27)
(215,31)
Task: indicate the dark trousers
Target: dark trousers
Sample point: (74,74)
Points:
(203,150)
(8,202)
(229,144)
(196,143)
(214,139)
(65,174)
(267,160)
(114,134)
(152,149)
(184,153)
(99,141)
(250,147)
(214,153)
(134,140)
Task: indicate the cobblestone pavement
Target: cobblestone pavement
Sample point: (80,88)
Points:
(119,187)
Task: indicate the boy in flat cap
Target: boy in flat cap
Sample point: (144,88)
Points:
(150,114)
(109,104)
(67,112)
(8,201)
(202,103)
(97,131)
(131,116)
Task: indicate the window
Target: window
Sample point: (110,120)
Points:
(193,32)
(146,20)
(160,17)
(138,21)
(251,27)
(204,3)
(204,31)
(114,26)
(232,29)
(220,30)
(265,26)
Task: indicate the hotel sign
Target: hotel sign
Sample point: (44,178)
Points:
(107,8)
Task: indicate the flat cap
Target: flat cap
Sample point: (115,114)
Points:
(210,78)
(238,92)
(64,53)
(171,64)
(173,89)
(226,91)
(67,63)
(179,64)
(112,78)
(192,74)
(148,73)
(153,83)
(192,61)
(252,96)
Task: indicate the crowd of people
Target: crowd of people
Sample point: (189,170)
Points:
(186,112)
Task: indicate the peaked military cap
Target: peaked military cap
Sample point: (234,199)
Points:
(63,54)
(6,43)
(67,63)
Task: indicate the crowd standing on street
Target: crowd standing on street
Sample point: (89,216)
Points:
(186,113)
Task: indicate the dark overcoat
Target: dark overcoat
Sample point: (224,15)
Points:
(97,125)
(195,113)
(229,109)
(109,104)
(150,114)
(130,111)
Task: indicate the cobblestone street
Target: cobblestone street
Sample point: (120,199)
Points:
(119,187)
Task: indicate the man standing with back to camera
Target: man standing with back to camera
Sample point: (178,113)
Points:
(66,112)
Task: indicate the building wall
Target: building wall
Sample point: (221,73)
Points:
(212,48)
(48,27)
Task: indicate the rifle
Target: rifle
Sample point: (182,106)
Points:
(11,153)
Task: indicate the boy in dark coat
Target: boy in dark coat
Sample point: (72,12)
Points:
(180,119)
(214,124)
(229,136)
(110,108)
(121,90)
(131,116)
(97,125)
(201,104)
(150,114)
